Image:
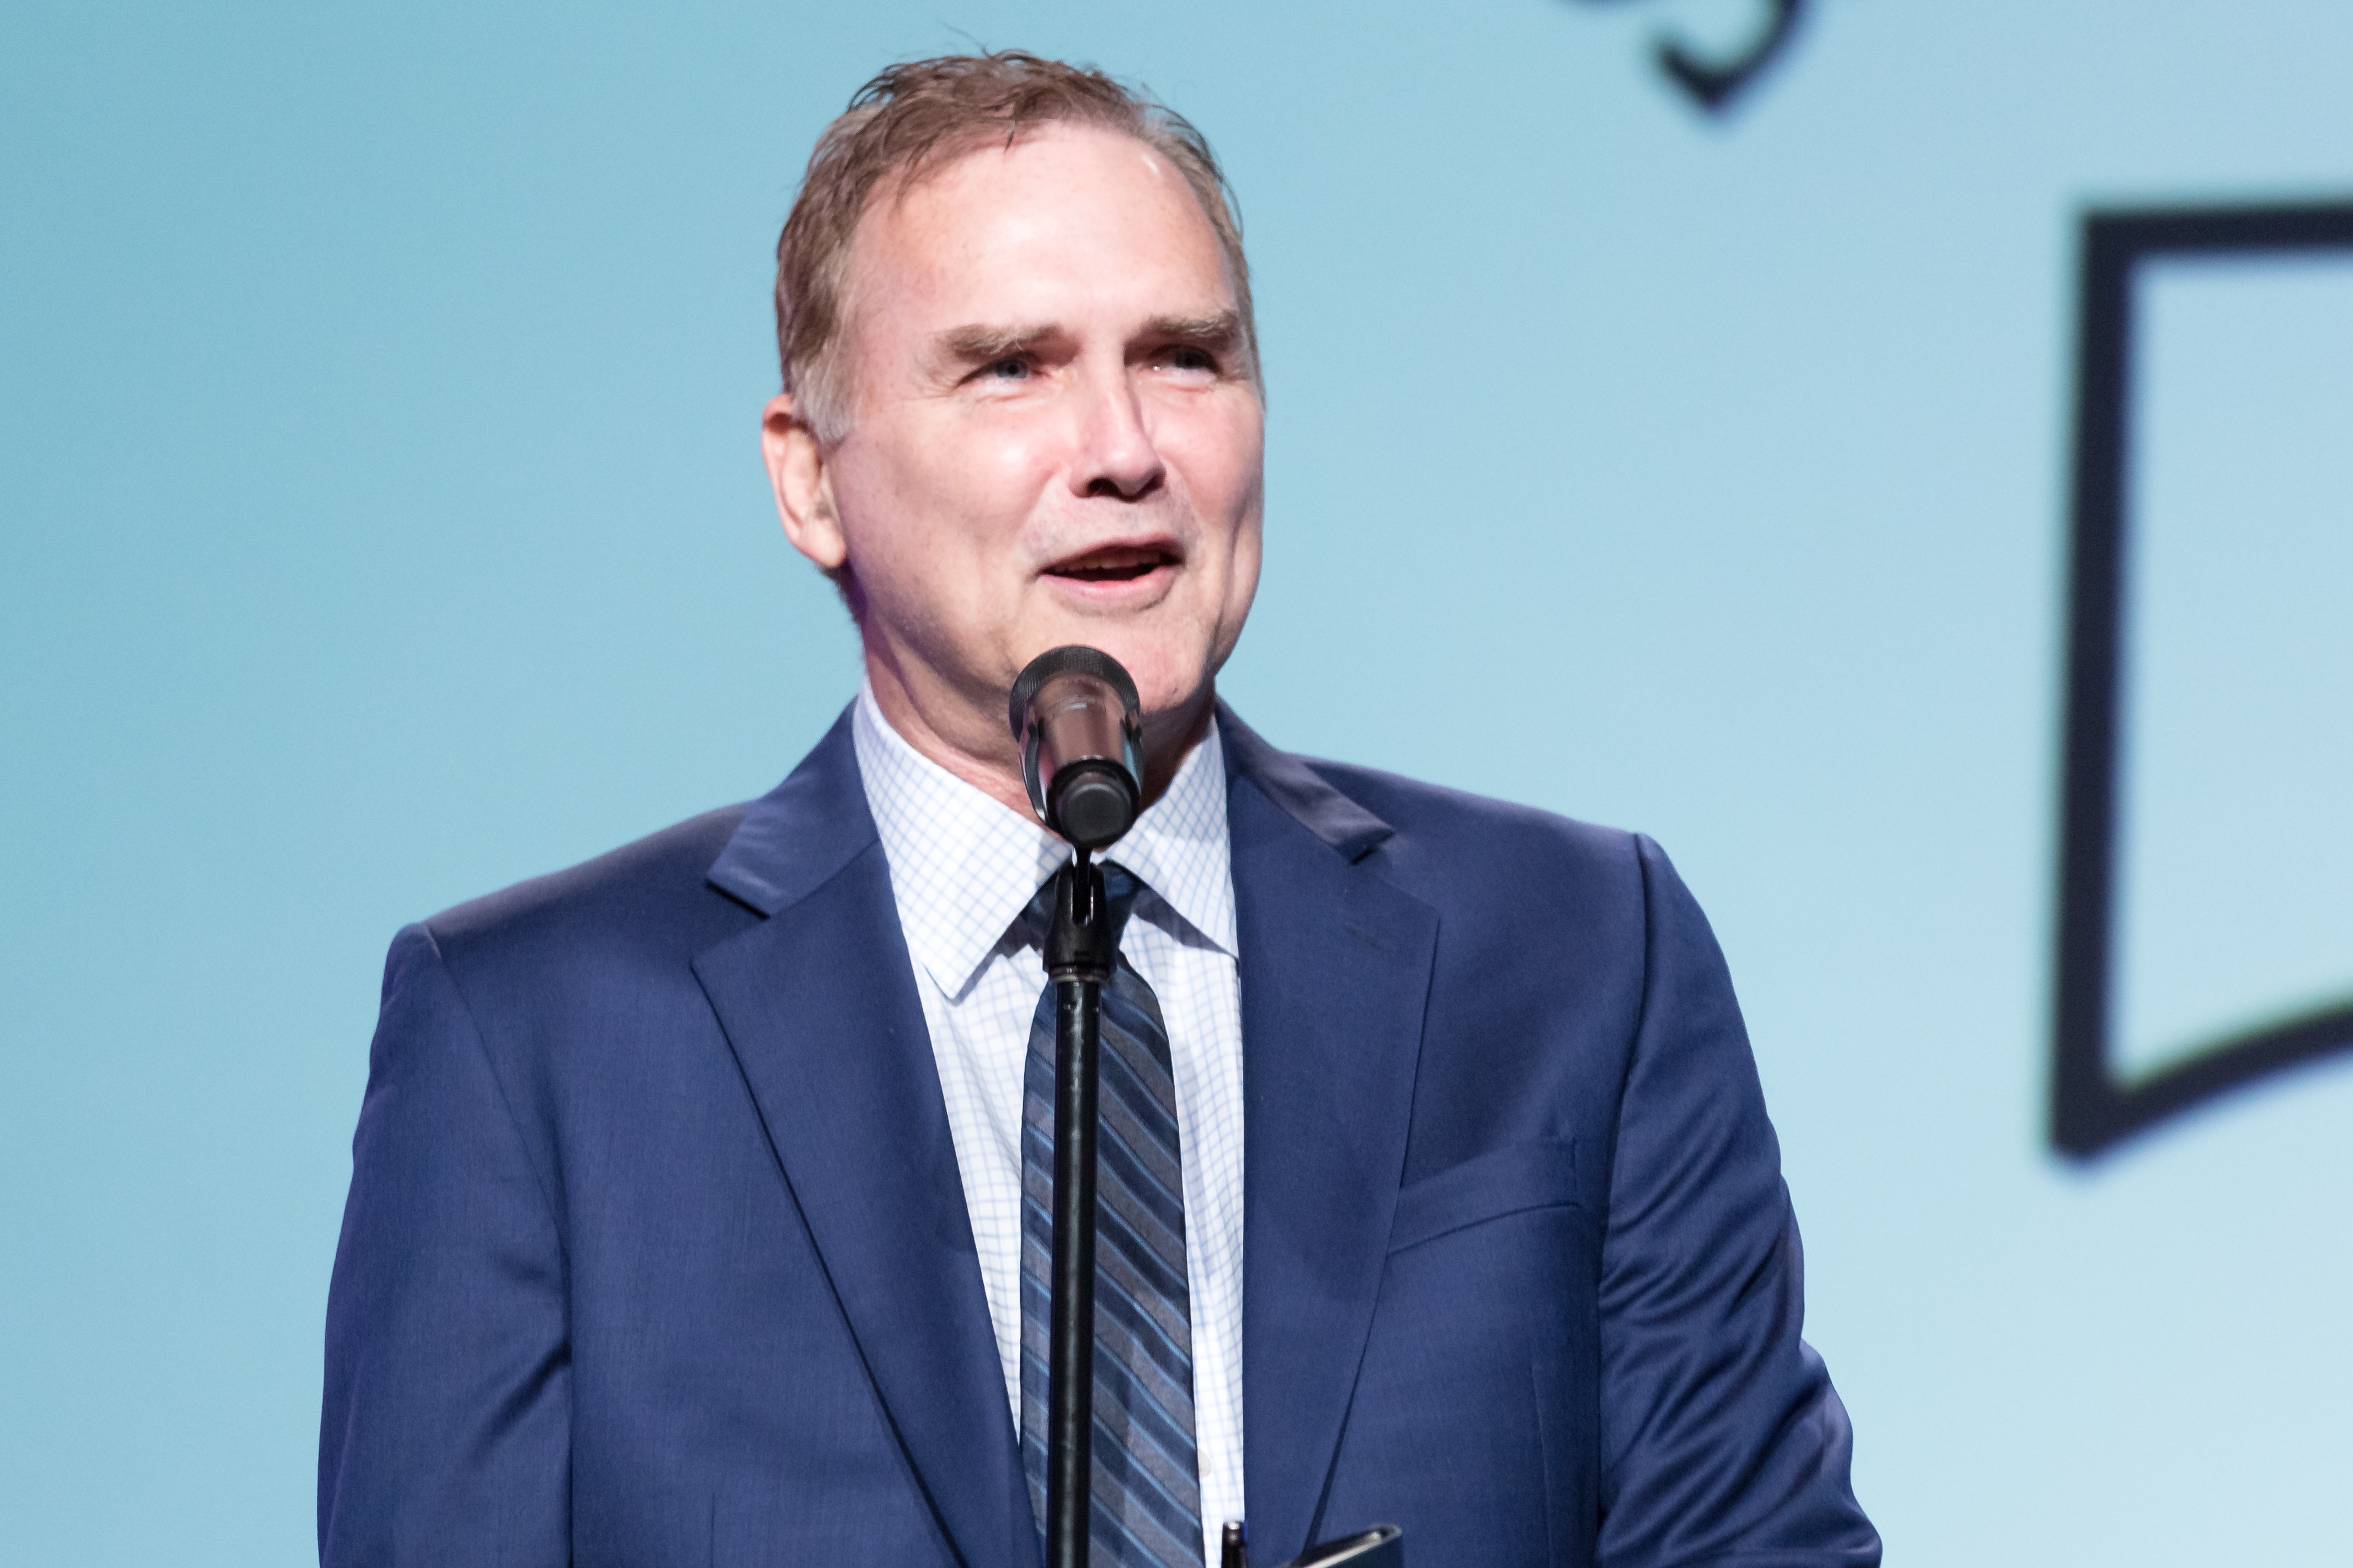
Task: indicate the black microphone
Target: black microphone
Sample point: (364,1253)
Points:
(1080,727)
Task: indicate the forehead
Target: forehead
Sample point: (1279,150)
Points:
(1065,220)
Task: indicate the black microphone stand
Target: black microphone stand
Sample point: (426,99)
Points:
(1075,714)
(1080,955)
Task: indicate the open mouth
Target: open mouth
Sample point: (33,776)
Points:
(1114,563)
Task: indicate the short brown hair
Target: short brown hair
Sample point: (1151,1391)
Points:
(915,116)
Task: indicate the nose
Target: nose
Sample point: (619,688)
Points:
(1116,456)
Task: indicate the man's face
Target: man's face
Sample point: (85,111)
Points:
(1055,434)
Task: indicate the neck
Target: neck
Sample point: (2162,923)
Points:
(978,748)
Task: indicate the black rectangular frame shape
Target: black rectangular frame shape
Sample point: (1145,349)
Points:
(2092,1109)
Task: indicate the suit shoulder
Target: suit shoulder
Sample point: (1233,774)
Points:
(1500,876)
(649,891)
(1433,818)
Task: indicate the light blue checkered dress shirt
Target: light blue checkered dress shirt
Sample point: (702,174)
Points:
(963,867)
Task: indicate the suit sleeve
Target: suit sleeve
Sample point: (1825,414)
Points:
(1723,1442)
(444,1430)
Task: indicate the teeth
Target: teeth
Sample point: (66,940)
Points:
(1114,561)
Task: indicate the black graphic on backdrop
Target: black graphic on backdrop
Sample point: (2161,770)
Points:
(2092,1108)
(1713,83)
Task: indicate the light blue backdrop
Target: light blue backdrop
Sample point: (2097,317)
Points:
(383,523)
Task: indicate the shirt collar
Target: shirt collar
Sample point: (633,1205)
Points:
(1180,850)
(964,865)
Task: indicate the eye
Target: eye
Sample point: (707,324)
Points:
(1190,356)
(1012,367)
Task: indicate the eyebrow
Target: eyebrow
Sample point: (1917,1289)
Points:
(1219,330)
(982,344)
(978,343)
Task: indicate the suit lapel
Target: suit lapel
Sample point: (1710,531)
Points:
(820,1005)
(1335,967)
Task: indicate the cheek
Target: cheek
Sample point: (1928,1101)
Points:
(1241,589)
(1237,452)
(920,496)
(1223,461)
(1247,552)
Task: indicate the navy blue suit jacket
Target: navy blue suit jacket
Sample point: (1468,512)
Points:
(656,1251)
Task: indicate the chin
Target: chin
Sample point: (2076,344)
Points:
(1169,672)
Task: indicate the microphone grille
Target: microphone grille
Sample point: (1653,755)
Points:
(1071,658)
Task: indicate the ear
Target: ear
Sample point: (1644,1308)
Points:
(803,485)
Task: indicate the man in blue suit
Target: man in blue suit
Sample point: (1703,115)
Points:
(694,1206)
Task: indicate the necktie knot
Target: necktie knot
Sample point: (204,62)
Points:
(1122,886)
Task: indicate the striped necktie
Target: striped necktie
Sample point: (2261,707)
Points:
(1147,1502)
